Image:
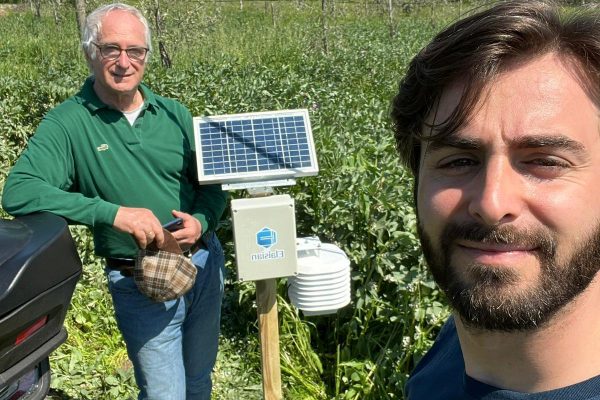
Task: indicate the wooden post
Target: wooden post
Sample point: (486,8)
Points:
(36,6)
(324,25)
(165,58)
(80,14)
(268,325)
(273,13)
(391,18)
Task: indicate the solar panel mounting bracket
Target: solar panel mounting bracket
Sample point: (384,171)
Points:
(253,187)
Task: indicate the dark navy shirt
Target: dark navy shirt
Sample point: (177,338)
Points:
(440,375)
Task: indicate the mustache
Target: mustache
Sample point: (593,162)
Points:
(540,239)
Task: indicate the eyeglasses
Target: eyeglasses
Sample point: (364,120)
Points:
(112,52)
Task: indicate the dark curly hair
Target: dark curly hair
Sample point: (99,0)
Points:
(477,48)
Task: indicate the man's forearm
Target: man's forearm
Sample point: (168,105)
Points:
(26,194)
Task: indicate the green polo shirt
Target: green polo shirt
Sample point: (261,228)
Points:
(85,160)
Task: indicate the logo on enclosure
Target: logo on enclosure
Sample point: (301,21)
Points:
(266,237)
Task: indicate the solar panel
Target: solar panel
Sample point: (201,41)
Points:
(254,147)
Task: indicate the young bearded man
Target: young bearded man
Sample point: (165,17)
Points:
(499,120)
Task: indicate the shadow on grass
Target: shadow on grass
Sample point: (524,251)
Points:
(57,394)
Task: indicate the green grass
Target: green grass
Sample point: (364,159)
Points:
(228,60)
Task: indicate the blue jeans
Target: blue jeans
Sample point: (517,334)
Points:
(173,345)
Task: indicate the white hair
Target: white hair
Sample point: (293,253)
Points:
(93,26)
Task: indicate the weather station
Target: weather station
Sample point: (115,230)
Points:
(256,152)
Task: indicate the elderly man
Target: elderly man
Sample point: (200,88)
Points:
(499,120)
(120,159)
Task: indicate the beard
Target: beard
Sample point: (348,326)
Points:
(490,298)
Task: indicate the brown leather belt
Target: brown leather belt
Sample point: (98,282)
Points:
(123,265)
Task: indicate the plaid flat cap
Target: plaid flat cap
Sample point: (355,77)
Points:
(164,274)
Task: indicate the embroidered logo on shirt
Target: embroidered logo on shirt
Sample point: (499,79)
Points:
(102,147)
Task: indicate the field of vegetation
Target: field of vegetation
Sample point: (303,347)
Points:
(343,63)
